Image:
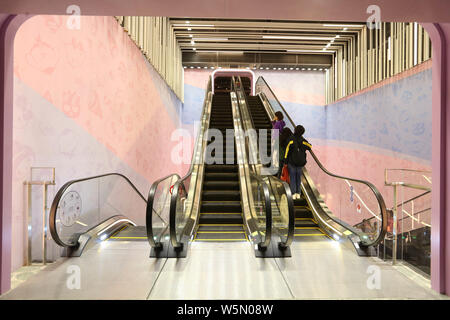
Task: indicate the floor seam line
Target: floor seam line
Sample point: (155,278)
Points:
(156,280)
(285,280)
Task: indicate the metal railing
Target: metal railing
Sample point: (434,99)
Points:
(413,183)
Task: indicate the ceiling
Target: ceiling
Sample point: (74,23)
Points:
(261,44)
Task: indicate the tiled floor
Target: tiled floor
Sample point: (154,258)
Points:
(317,270)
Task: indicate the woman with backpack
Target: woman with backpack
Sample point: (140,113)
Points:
(295,157)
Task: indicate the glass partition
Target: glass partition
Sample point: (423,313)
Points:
(159,208)
(283,215)
(354,204)
(261,87)
(83,204)
(408,235)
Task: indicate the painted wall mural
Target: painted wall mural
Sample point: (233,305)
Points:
(86,102)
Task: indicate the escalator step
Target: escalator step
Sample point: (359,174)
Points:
(221,195)
(221,168)
(223,176)
(305,222)
(220,206)
(220,218)
(220,236)
(302,212)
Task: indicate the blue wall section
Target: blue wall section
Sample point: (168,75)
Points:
(395,117)
(193,104)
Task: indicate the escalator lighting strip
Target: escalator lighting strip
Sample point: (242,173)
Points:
(113,224)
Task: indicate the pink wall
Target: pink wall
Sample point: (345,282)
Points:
(86,102)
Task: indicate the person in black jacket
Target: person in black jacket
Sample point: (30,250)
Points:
(285,136)
(295,157)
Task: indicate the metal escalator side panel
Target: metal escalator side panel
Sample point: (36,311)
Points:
(82,206)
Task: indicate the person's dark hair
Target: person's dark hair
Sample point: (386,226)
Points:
(285,134)
(279,115)
(299,131)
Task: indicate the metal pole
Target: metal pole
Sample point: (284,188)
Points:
(394,228)
(29,225)
(44,225)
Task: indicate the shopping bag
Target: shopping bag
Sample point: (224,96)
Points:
(285,174)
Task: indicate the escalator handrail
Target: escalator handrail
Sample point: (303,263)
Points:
(372,187)
(62,190)
(291,225)
(279,103)
(149,210)
(268,212)
(174,196)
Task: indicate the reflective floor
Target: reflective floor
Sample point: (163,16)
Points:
(317,270)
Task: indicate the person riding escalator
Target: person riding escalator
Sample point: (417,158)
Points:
(295,158)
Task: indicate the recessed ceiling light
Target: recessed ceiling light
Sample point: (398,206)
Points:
(205,67)
(296,68)
(184,67)
(194,49)
(308,51)
(193,25)
(198,67)
(261,68)
(309,68)
(337,36)
(192,67)
(267,68)
(303,69)
(192,42)
(211,39)
(342,25)
(291,68)
(212,67)
(190,35)
(187,22)
(189,29)
(297,37)
(315,69)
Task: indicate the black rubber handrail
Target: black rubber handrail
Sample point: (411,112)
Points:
(378,195)
(149,211)
(61,191)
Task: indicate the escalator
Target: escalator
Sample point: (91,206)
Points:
(331,207)
(221,199)
(305,225)
(221,209)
